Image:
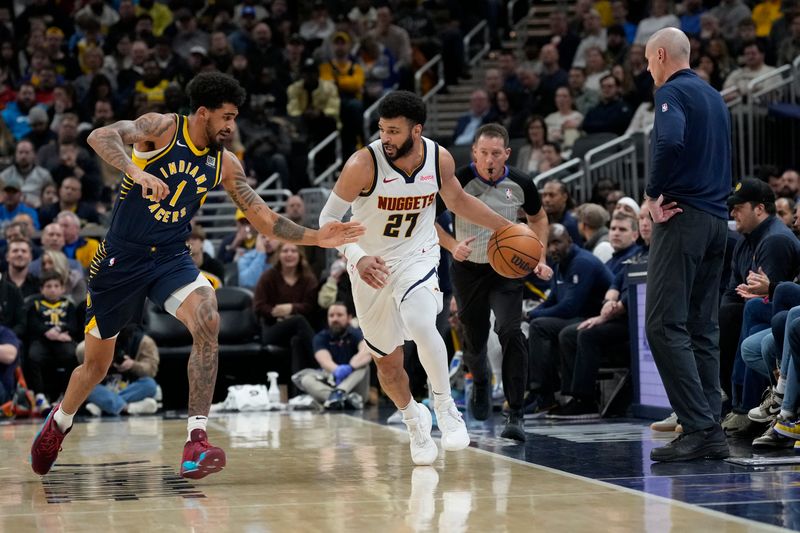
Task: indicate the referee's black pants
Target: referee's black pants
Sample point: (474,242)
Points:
(479,289)
(684,268)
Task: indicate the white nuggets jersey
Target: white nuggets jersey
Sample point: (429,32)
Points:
(399,209)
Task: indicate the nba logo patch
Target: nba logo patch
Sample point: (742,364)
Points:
(508,194)
(112,261)
(664,107)
(211,161)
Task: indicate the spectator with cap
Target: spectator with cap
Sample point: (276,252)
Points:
(592,220)
(25,171)
(15,114)
(315,102)
(348,75)
(767,245)
(40,134)
(235,244)
(69,199)
(12,202)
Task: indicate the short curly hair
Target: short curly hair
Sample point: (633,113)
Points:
(213,89)
(403,104)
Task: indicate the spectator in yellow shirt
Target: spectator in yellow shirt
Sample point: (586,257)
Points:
(349,78)
(152,83)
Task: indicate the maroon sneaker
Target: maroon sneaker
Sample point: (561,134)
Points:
(200,458)
(47,444)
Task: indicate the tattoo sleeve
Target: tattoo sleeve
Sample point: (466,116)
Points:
(202,367)
(251,203)
(110,142)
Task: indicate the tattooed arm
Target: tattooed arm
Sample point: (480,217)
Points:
(270,223)
(110,143)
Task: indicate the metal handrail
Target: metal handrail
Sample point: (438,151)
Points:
(480,26)
(264,185)
(591,165)
(558,172)
(219,203)
(367,117)
(312,155)
(437,59)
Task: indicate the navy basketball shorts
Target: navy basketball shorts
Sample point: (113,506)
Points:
(122,275)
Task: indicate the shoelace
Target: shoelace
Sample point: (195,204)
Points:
(417,435)
(50,443)
(453,418)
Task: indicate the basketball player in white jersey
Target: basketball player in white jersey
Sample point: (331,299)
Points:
(391,186)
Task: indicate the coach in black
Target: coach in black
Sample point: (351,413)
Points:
(689,182)
(478,288)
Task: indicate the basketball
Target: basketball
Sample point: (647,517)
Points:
(514,251)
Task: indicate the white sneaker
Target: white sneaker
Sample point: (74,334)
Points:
(93,409)
(41,403)
(395,418)
(452,426)
(148,406)
(423,449)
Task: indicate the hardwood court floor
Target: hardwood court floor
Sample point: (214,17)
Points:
(308,472)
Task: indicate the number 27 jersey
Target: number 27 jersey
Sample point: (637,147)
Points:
(399,209)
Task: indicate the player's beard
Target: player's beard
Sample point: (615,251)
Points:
(214,144)
(401,150)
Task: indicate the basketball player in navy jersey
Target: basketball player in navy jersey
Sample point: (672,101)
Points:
(392,185)
(176,160)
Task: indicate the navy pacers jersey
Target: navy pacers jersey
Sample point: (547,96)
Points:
(189,172)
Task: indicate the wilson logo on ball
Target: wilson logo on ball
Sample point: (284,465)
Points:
(520,262)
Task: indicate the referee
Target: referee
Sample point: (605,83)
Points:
(479,289)
(689,182)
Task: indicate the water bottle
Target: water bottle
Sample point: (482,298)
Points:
(273,393)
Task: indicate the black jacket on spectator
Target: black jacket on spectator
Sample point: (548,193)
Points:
(608,117)
(42,315)
(11,304)
(85,211)
(771,246)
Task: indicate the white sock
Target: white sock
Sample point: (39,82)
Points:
(410,411)
(786,415)
(780,388)
(438,398)
(419,316)
(63,420)
(196,422)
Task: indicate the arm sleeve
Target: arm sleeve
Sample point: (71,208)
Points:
(668,144)
(533,202)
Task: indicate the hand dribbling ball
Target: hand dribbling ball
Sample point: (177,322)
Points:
(514,251)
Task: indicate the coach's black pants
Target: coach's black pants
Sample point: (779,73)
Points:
(479,289)
(683,274)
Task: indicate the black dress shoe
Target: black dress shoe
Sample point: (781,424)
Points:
(703,444)
(513,428)
(479,402)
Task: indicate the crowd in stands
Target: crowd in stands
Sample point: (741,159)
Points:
(311,68)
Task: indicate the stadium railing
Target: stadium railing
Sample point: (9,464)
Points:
(481,28)
(329,174)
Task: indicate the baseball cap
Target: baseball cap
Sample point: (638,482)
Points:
(248,11)
(198,50)
(630,202)
(13,182)
(751,190)
(343,35)
(37,115)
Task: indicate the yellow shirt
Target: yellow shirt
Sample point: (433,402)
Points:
(764,14)
(155,95)
(348,77)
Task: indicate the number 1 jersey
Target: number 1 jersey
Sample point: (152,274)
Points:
(399,209)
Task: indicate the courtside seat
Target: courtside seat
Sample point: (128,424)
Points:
(238,326)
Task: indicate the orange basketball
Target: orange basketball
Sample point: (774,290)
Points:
(514,251)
